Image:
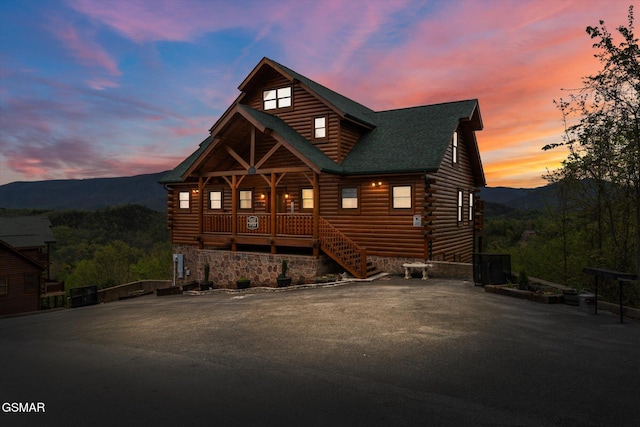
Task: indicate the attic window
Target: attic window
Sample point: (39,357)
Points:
(454,148)
(276,98)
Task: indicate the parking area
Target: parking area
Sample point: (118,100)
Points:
(388,352)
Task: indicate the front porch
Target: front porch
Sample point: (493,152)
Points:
(301,230)
(281,229)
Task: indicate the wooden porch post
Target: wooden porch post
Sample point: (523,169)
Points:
(274,222)
(316,215)
(234,212)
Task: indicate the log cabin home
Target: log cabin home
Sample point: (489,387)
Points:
(292,167)
(25,247)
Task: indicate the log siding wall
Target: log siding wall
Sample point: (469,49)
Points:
(453,239)
(375,225)
(14,270)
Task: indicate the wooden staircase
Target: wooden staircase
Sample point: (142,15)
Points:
(345,251)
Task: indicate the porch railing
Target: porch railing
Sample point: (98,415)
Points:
(259,223)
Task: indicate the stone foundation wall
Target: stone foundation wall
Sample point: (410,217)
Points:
(261,268)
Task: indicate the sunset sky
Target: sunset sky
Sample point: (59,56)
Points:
(100,88)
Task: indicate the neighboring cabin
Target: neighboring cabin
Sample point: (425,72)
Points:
(294,167)
(25,245)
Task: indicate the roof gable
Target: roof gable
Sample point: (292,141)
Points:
(398,141)
(345,107)
(13,251)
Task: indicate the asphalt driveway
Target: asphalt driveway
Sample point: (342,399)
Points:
(389,352)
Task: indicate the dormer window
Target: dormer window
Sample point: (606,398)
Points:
(276,98)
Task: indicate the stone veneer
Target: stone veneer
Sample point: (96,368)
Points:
(261,268)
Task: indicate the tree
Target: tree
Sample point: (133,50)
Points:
(604,142)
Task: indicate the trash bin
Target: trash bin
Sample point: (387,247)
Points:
(587,302)
(491,269)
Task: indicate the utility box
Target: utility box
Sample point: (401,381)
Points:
(491,269)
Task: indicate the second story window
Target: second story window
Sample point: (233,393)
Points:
(460,206)
(454,148)
(276,98)
(320,127)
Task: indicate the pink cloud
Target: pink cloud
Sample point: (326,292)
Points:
(167,20)
(83,47)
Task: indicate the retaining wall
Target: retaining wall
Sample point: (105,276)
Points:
(126,290)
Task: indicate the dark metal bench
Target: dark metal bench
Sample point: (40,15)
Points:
(610,274)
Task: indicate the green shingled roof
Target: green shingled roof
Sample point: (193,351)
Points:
(348,107)
(175,175)
(408,140)
(403,140)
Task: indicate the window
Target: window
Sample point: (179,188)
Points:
(460,201)
(246,199)
(349,198)
(470,206)
(184,200)
(276,98)
(320,127)
(307,198)
(454,148)
(29,282)
(4,285)
(215,199)
(401,196)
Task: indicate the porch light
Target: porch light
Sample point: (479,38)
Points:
(376,184)
(286,196)
(262,196)
(195,191)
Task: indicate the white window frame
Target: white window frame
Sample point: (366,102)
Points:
(184,200)
(460,204)
(215,203)
(470,206)
(273,99)
(245,199)
(400,201)
(349,202)
(454,148)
